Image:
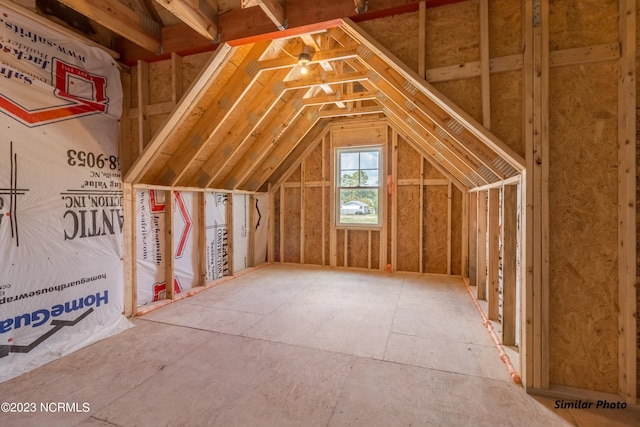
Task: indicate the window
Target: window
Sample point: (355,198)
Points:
(358,186)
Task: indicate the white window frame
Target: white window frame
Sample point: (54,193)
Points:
(380,188)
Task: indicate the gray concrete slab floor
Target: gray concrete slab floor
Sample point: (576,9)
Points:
(298,346)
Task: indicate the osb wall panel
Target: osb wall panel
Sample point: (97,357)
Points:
(340,248)
(465,94)
(583,230)
(291,231)
(453,34)
(581,23)
(358,246)
(430,171)
(408,228)
(506,109)
(156,123)
(160,82)
(456,231)
(313,165)
(313,225)
(435,239)
(408,161)
(192,66)
(295,176)
(505,28)
(399,34)
(375,250)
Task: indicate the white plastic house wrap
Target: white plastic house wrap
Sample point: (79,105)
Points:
(61,219)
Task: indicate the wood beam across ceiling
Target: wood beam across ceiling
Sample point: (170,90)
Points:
(117,17)
(199,15)
(241,26)
(272,8)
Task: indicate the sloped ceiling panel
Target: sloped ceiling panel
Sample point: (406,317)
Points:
(253,111)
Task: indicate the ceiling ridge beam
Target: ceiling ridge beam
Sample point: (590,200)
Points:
(118,18)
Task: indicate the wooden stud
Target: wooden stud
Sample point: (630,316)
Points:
(302,216)
(421,213)
(282,212)
(177,78)
(464,235)
(229,215)
(272,223)
(509,248)
(394,201)
(323,204)
(202,238)
(485,77)
(422,40)
(535,368)
(346,247)
(129,244)
(449,196)
(493,261)
(473,238)
(627,291)
(481,252)
(369,249)
(144,127)
(169,254)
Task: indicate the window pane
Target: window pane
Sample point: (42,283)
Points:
(349,161)
(370,178)
(349,178)
(369,160)
(358,206)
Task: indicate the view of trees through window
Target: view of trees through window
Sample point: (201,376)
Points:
(359,185)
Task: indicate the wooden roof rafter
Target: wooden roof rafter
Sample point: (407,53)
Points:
(212,118)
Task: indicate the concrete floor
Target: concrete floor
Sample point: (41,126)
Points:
(291,346)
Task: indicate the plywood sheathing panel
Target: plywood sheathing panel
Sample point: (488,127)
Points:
(291,232)
(505,28)
(408,161)
(464,93)
(358,246)
(192,65)
(453,34)
(583,227)
(408,244)
(313,225)
(340,248)
(456,231)
(401,38)
(582,23)
(506,109)
(435,229)
(430,172)
(159,76)
(313,166)
(375,250)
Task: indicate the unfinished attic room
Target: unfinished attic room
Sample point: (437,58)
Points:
(280,213)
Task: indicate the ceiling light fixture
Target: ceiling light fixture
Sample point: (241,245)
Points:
(303,61)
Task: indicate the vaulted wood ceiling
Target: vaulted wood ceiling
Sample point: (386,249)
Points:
(253,111)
